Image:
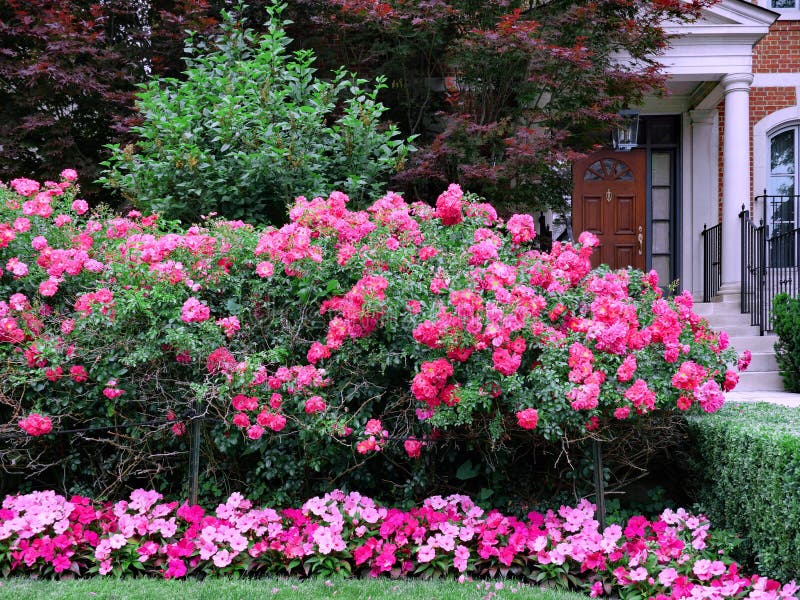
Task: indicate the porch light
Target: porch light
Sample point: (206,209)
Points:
(623,136)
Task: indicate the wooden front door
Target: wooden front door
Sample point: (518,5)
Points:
(609,200)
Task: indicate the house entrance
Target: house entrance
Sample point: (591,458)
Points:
(609,200)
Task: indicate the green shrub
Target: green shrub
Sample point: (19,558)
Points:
(251,127)
(786,320)
(746,464)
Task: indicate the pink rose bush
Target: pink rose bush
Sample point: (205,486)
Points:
(421,318)
(671,557)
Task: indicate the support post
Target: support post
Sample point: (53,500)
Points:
(599,483)
(735,173)
(194,456)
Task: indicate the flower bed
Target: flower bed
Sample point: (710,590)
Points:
(672,556)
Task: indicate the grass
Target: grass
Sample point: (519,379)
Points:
(271,589)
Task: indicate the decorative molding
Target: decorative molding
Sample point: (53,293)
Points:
(720,42)
(703,117)
(761,133)
(737,82)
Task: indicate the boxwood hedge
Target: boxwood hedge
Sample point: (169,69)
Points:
(745,472)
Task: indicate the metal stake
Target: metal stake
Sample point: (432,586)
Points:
(599,484)
(194,455)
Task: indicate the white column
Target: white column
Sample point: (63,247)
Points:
(701,208)
(735,174)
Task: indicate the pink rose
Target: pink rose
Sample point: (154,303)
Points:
(36,424)
(314,405)
(528,418)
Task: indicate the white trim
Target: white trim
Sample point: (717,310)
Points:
(738,12)
(713,99)
(786,14)
(776,80)
(761,133)
(718,43)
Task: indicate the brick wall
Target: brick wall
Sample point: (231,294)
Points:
(779,50)
(763,101)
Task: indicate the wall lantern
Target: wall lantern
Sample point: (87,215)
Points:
(625,132)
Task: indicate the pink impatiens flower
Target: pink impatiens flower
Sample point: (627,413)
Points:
(506,362)
(111,390)
(265,269)
(16,267)
(255,432)
(48,287)
(78,373)
(24,187)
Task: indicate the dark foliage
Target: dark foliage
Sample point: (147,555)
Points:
(503,93)
(68,72)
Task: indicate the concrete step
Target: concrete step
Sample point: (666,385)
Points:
(782,398)
(762,361)
(754,343)
(728,320)
(706,309)
(734,298)
(765,381)
(738,330)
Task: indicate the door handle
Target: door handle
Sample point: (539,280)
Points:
(609,195)
(640,237)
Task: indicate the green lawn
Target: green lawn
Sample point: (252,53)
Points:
(278,589)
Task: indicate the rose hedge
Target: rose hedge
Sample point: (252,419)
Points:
(341,334)
(672,556)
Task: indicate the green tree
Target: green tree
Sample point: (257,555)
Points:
(503,93)
(250,127)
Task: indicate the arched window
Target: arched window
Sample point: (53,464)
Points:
(782,187)
(779,4)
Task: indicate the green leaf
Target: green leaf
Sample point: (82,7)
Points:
(467,471)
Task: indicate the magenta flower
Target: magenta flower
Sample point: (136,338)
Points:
(35,424)
(194,311)
(528,418)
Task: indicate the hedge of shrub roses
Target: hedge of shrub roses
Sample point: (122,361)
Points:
(672,556)
(311,347)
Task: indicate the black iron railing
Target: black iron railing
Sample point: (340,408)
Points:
(754,252)
(770,256)
(712,261)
